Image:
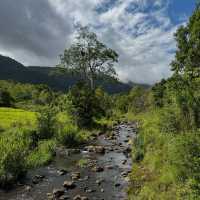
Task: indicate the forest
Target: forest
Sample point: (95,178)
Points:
(36,120)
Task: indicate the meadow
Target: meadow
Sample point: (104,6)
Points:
(12,116)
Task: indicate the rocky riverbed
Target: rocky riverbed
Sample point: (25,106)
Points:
(96,172)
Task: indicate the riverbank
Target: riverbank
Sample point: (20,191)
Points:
(97,171)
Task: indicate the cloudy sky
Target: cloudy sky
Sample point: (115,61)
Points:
(35,32)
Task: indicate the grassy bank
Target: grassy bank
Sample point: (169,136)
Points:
(23,144)
(166,160)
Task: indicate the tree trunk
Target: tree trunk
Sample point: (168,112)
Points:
(92,86)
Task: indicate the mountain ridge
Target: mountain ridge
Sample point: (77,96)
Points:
(10,69)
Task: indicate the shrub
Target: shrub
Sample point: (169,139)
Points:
(5,98)
(169,121)
(70,136)
(14,148)
(47,122)
(67,135)
(42,154)
(85,105)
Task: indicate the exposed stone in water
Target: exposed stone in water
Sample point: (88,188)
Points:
(97,169)
(58,192)
(79,197)
(76,175)
(62,172)
(64,197)
(69,185)
(37,178)
(117,184)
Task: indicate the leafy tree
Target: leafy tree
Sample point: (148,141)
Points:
(89,57)
(85,105)
(46,122)
(158,91)
(5,98)
(186,68)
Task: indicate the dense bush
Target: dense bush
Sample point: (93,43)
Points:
(42,154)
(170,120)
(14,149)
(25,95)
(85,105)
(47,119)
(135,101)
(69,135)
(5,98)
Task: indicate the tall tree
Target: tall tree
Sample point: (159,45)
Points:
(186,67)
(89,57)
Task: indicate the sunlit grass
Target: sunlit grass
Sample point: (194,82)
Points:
(10,116)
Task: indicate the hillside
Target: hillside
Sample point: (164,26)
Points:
(13,70)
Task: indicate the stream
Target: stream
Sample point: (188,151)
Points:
(104,176)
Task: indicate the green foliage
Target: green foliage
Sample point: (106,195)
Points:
(170,120)
(135,101)
(166,164)
(89,57)
(138,100)
(46,118)
(42,154)
(14,149)
(11,116)
(25,96)
(158,91)
(186,67)
(5,98)
(85,105)
(69,135)
(166,150)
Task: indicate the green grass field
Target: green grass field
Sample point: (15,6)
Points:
(10,116)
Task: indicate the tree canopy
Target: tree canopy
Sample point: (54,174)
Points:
(89,57)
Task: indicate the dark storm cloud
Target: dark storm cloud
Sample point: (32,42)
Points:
(32,26)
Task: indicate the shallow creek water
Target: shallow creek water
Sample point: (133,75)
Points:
(114,181)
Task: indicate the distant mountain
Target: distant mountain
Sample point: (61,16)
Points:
(10,69)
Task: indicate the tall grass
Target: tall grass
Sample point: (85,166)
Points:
(166,161)
(11,116)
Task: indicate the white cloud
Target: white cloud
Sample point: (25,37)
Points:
(139,30)
(143,37)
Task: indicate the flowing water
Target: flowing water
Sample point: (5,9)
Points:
(109,184)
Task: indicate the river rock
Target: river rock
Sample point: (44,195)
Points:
(96,149)
(37,178)
(28,188)
(64,197)
(73,151)
(58,192)
(62,172)
(124,162)
(76,176)
(100,149)
(79,197)
(89,191)
(109,167)
(69,185)
(97,169)
(99,182)
(127,150)
(50,196)
(117,184)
